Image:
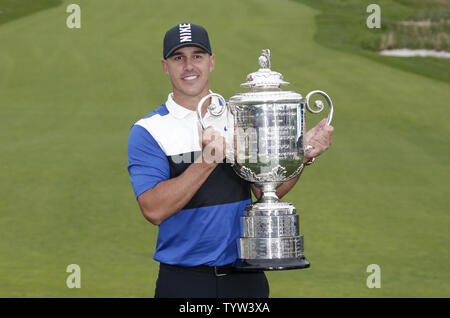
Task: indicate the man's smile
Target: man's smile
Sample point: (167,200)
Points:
(190,77)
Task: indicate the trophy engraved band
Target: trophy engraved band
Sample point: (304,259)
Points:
(268,126)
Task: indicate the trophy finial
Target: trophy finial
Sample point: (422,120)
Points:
(264,78)
(264,59)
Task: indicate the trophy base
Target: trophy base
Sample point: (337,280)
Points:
(270,264)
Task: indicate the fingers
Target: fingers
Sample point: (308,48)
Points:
(322,123)
(210,134)
(329,129)
(319,138)
(314,130)
(213,145)
(318,127)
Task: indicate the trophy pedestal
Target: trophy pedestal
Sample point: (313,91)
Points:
(270,238)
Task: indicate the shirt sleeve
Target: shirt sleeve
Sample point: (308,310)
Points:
(148,164)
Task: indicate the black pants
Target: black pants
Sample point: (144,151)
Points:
(184,282)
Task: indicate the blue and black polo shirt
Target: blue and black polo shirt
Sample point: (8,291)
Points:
(206,231)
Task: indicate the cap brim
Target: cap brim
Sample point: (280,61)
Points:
(179,46)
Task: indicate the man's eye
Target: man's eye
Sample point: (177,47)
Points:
(197,57)
(177,58)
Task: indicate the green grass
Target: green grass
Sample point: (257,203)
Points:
(68,98)
(342,26)
(11,10)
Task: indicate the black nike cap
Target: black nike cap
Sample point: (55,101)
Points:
(185,34)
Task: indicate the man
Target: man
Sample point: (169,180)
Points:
(196,202)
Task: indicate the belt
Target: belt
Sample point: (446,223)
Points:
(217,271)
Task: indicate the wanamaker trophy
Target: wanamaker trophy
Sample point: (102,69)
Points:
(267,126)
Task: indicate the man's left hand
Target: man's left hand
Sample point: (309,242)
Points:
(319,138)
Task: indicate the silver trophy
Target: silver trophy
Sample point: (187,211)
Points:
(267,126)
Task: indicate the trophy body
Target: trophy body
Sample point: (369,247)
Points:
(268,126)
(269,134)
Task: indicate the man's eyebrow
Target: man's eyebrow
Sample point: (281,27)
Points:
(199,51)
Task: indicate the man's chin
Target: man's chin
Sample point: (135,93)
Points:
(193,92)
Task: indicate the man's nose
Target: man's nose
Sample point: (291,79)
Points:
(188,64)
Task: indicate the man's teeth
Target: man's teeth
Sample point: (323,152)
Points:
(190,77)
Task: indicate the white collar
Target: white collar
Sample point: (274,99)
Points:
(179,111)
(176,110)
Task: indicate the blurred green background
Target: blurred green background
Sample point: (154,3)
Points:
(68,97)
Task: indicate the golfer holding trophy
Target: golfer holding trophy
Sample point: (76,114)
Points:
(266,131)
(212,240)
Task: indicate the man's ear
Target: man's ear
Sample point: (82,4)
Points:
(212,62)
(164,65)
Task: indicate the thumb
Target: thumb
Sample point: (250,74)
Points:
(322,123)
(318,127)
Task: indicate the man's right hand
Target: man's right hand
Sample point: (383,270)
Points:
(213,145)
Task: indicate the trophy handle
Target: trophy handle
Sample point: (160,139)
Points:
(319,104)
(213,109)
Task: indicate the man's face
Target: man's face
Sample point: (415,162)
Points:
(188,69)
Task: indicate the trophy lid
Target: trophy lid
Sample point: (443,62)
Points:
(264,78)
(265,85)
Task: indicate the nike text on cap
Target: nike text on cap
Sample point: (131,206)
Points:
(185,34)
